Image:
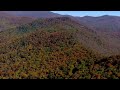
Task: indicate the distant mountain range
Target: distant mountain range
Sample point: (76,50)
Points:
(35,14)
(106,27)
(101,23)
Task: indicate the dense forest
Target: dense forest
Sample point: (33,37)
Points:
(55,48)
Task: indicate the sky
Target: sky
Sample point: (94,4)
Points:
(88,13)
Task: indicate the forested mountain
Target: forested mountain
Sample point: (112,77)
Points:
(46,45)
(53,48)
(107,27)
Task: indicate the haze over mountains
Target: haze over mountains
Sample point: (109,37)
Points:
(101,23)
(47,45)
(8,20)
(35,14)
(106,27)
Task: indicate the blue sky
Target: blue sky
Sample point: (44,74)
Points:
(88,13)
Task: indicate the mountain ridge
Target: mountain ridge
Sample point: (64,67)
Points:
(35,14)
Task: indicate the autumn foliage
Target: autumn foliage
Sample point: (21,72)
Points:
(46,49)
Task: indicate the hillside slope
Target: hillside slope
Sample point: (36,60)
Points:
(43,49)
(108,30)
(8,21)
(51,49)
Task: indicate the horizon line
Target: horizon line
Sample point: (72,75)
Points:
(88,13)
